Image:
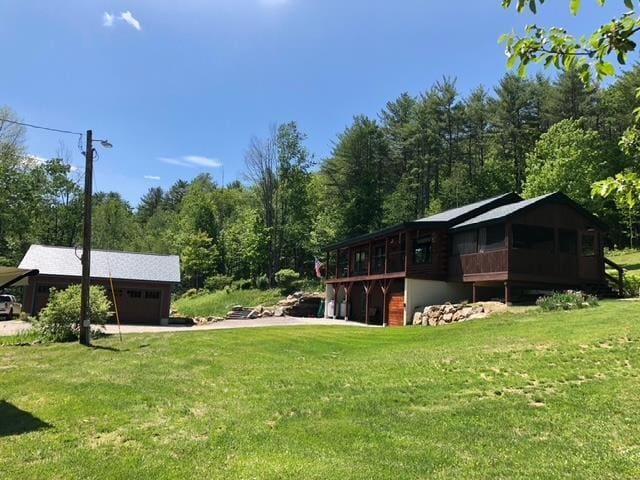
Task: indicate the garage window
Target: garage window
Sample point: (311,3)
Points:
(134,293)
(152,295)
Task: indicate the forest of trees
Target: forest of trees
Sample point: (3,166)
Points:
(422,154)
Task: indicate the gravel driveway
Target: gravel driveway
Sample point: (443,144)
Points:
(14,326)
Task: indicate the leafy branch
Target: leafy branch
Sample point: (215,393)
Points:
(588,55)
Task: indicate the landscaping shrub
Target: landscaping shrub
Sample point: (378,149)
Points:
(287,280)
(310,285)
(632,284)
(568,300)
(242,284)
(59,320)
(217,282)
(192,292)
(262,282)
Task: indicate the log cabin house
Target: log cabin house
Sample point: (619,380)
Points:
(503,247)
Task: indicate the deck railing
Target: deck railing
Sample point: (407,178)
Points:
(616,282)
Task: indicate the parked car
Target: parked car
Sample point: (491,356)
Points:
(9,307)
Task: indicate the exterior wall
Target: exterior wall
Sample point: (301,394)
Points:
(420,293)
(528,266)
(33,301)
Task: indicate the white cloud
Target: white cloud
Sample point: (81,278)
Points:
(34,160)
(131,20)
(108,19)
(152,177)
(192,161)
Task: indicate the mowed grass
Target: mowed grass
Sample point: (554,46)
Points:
(629,259)
(220,302)
(535,395)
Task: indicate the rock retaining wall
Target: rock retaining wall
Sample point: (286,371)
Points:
(435,315)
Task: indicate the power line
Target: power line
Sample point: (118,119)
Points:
(39,127)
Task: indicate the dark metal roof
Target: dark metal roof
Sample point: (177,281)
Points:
(455,215)
(505,212)
(440,220)
(63,261)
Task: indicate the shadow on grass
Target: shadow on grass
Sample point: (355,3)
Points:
(14,421)
(110,349)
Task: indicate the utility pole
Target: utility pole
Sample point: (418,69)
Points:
(85,311)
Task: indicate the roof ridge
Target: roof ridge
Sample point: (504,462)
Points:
(105,250)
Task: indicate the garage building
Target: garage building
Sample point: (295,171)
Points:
(142,282)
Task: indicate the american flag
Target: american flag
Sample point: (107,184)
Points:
(317,267)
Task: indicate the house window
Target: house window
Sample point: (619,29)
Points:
(422,250)
(588,245)
(134,293)
(491,238)
(343,263)
(568,241)
(531,237)
(378,258)
(360,262)
(152,294)
(465,242)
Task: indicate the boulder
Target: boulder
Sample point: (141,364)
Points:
(417,318)
(253,314)
(279,312)
(447,317)
(237,308)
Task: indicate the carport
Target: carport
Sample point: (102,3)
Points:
(15,277)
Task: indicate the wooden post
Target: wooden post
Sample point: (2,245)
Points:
(85,310)
(347,292)
(507,293)
(369,260)
(335,300)
(475,293)
(367,290)
(406,251)
(385,285)
(386,254)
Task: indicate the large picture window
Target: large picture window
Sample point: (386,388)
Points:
(422,250)
(533,237)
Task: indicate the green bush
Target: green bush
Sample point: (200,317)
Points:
(287,280)
(568,300)
(217,282)
(192,292)
(311,285)
(262,282)
(632,284)
(242,284)
(59,320)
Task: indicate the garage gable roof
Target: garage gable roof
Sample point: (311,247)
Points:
(63,261)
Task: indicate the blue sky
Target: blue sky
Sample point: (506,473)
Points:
(180,87)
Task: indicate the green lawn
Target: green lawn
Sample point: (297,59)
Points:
(629,259)
(220,302)
(536,395)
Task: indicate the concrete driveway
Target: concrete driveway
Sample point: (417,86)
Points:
(14,326)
